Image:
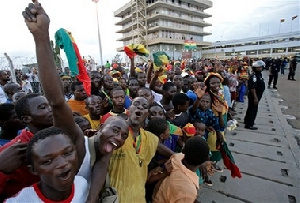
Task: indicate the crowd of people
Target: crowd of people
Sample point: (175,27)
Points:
(156,135)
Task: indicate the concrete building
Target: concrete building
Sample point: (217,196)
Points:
(278,45)
(171,25)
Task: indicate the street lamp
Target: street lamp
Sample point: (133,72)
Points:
(174,53)
(99,38)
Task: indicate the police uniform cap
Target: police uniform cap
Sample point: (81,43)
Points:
(259,63)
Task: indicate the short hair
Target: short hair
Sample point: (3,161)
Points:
(167,86)
(22,105)
(197,121)
(196,151)
(132,78)
(122,79)
(86,101)
(116,89)
(155,104)
(40,135)
(157,126)
(75,84)
(5,110)
(145,88)
(8,85)
(225,81)
(180,99)
(104,76)
(3,72)
(95,72)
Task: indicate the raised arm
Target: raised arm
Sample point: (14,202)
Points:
(199,89)
(153,80)
(149,72)
(132,68)
(38,22)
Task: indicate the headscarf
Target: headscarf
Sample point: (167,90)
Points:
(189,130)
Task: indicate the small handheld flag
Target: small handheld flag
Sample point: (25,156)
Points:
(160,60)
(136,49)
(294,17)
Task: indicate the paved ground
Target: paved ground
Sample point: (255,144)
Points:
(268,158)
(289,91)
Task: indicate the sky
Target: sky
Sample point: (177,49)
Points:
(231,19)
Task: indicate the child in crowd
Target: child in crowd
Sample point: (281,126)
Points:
(160,128)
(183,183)
(181,104)
(175,142)
(204,113)
(201,132)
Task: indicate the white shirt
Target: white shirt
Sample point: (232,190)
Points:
(32,77)
(26,87)
(28,194)
(3,97)
(81,183)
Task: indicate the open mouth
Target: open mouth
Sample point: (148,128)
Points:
(114,144)
(65,175)
(138,114)
(110,146)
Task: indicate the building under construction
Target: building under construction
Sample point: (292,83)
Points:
(173,26)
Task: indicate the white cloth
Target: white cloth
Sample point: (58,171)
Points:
(157,96)
(85,169)
(33,77)
(68,98)
(26,87)
(28,194)
(3,97)
(227,95)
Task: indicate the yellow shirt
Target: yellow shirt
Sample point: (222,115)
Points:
(128,170)
(180,186)
(95,124)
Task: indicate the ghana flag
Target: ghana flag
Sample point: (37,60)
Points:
(132,50)
(190,44)
(160,60)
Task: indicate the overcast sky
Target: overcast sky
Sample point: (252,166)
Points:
(231,19)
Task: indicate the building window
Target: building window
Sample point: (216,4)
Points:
(279,50)
(264,51)
(294,49)
(251,52)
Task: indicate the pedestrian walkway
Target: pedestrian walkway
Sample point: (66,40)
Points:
(268,159)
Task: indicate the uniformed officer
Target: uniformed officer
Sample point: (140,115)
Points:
(256,87)
(273,72)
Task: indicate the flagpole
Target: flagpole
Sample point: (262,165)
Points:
(279,27)
(99,38)
(293,18)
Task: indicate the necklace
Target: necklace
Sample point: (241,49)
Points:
(137,146)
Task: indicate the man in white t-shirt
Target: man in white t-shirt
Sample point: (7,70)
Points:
(4,78)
